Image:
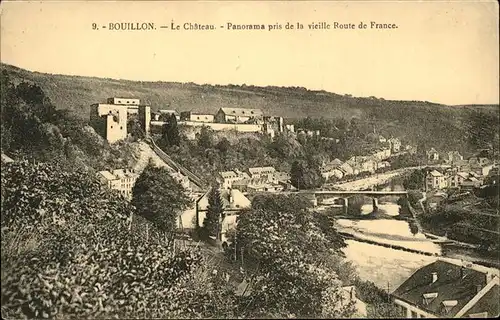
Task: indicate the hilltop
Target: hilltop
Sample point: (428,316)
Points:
(414,121)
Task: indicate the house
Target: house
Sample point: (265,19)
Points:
(454,156)
(196,117)
(435,180)
(332,169)
(446,289)
(227,178)
(382,153)
(482,169)
(395,144)
(238,115)
(382,139)
(384,165)
(470,183)
(432,155)
(347,169)
(478,161)
(262,172)
(233,202)
(455,180)
(122,180)
(164,113)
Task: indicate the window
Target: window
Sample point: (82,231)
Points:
(234,111)
(251,112)
(428,297)
(111,127)
(197,118)
(243,112)
(121,128)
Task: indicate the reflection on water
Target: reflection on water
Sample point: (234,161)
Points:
(384,266)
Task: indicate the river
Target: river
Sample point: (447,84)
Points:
(388,267)
(385,266)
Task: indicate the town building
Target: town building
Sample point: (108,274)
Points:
(194,116)
(163,114)
(238,115)
(227,178)
(435,180)
(262,172)
(233,202)
(395,144)
(447,289)
(332,170)
(347,169)
(432,155)
(455,179)
(454,156)
(122,180)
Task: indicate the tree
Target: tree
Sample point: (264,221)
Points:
(415,181)
(215,211)
(290,251)
(159,198)
(305,175)
(223,145)
(171,135)
(205,138)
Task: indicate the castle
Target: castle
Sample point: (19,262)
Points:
(110,119)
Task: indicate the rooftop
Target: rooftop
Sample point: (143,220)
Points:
(442,288)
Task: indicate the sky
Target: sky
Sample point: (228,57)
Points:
(444,52)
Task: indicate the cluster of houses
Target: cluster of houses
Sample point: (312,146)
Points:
(374,162)
(462,174)
(239,119)
(257,179)
(123,180)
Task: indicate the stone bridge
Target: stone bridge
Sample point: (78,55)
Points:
(344,195)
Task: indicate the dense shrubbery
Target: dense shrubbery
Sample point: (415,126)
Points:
(291,257)
(33,128)
(71,249)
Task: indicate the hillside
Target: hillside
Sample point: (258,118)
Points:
(414,121)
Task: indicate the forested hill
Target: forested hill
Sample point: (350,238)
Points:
(414,121)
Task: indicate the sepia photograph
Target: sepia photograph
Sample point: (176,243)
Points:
(250,159)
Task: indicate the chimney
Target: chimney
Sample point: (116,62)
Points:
(230,194)
(434,277)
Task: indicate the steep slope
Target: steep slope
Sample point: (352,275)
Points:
(415,121)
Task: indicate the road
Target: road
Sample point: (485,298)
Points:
(371,181)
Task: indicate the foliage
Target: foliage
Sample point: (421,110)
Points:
(34,129)
(284,239)
(415,180)
(159,197)
(72,249)
(215,211)
(305,175)
(170,132)
(205,138)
